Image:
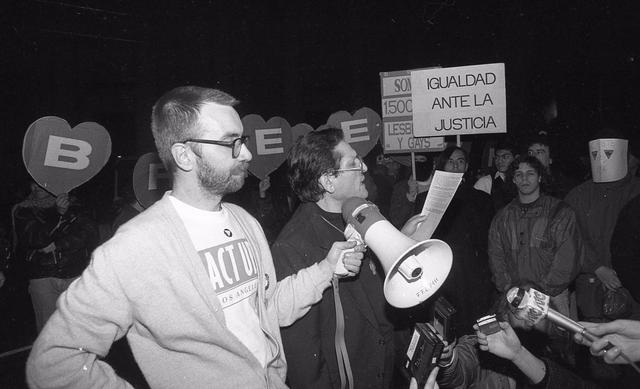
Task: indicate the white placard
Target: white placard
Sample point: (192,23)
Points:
(459,100)
(397,117)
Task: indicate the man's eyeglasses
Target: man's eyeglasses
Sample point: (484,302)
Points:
(235,145)
(359,167)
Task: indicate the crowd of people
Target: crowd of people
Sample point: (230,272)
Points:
(214,285)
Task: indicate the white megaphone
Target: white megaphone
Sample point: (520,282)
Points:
(414,270)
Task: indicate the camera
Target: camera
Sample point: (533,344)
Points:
(443,313)
(427,341)
(423,352)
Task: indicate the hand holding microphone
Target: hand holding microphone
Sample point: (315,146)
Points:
(625,334)
(533,306)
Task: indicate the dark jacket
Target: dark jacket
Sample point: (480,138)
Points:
(75,236)
(597,206)
(309,343)
(5,254)
(465,226)
(625,247)
(479,369)
(538,242)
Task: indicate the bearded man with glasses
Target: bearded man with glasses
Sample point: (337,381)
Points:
(190,281)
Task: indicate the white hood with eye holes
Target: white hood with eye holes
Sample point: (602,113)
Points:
(608,159)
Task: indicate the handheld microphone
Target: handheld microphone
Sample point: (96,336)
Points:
(533,306)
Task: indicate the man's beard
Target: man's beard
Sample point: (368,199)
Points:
(217,183)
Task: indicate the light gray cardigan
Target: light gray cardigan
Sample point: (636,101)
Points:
(148,283)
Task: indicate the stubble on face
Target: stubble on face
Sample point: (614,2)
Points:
(218,183)
(217,175)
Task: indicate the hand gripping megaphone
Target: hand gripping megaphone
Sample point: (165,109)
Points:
(414,270)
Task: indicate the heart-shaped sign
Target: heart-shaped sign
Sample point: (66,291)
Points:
(269,143)
(361,130)
(150,179)
(300,129)
(60,158)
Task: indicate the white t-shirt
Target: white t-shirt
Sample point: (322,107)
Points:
(231,266)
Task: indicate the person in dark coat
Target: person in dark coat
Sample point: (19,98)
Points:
(56,236)
(347,337)
(465,227)
(625,248)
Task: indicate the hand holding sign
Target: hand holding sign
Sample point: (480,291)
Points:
(269,142)
(361,130)
(60,158)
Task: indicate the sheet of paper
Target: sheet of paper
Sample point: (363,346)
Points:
(443,187)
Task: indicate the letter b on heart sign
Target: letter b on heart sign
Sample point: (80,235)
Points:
(60,158)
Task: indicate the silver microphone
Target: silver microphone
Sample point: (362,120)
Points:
(533,306)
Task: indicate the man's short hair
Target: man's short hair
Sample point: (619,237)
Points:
(311,157)
(529,160)
(443,157)
(175,117)
(540,138)
(507,144)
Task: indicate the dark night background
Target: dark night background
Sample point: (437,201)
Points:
(108,61)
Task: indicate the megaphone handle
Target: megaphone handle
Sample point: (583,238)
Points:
(340,269)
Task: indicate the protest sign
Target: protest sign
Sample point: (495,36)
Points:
(60,158)
(269,142)
(361,130)
(398,133)
(459,101)
(150,179)
(300,129)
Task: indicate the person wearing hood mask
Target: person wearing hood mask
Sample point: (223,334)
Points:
(597,203)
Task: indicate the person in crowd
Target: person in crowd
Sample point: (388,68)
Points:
(385,174)
(128,209)
(540,372)
(56,236)
(535,238)
(463,366)
(190,281)
(597,204)
(555,183)
(326,348)
(498,185)
(6,252)
(464,226)
(409,194)
(625,248)
(623,334)
(267,200)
